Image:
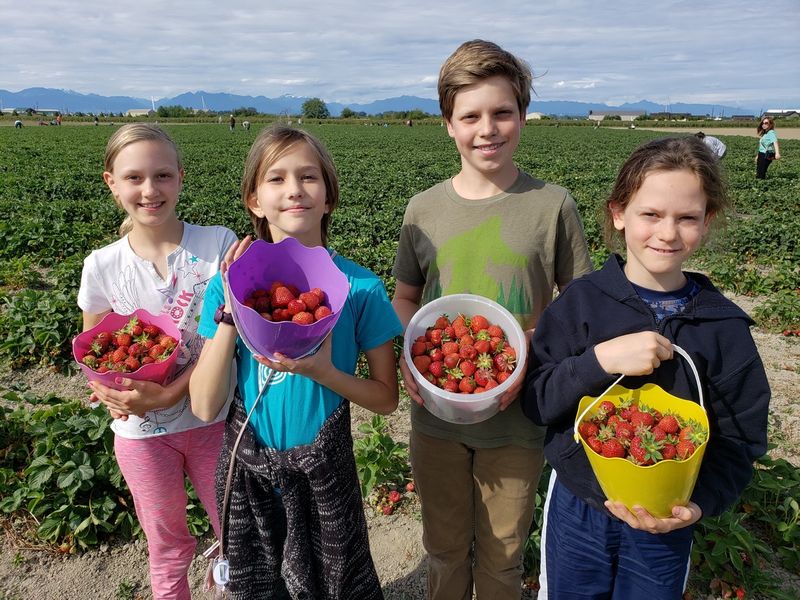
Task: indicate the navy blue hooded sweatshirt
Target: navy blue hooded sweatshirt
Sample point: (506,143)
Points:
(562,367)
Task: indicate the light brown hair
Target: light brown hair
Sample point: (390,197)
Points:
(666,154)
(271,145)
(475,61)
(130,134)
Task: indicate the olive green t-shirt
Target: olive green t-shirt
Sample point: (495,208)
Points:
(513,248)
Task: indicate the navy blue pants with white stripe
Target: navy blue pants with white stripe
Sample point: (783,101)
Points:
(588,554)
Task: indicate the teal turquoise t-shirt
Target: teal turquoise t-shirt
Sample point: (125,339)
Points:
(293,408)
(766,142)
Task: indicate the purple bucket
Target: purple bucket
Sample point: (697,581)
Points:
(293,263)
(159,372)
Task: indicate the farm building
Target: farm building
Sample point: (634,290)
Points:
(783,113)
(625,115)
(534,116)
(140,112)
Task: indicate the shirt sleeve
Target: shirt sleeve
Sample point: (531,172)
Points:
(572,252)
(377,321)
(407,268)
(91,297)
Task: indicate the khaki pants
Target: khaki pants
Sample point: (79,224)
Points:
(477,507)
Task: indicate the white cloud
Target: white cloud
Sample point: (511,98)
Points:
(349,51)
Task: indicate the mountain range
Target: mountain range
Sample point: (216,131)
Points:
(68,101)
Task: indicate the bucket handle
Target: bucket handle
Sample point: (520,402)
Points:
(677,349)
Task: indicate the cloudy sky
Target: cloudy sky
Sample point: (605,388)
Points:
(736,52)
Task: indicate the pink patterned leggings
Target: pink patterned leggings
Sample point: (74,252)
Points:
(154,470)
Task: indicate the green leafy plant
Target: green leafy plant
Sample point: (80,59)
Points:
(380,460)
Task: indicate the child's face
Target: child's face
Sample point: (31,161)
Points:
(146,181)
(291,195)
(486,125)
(663,224)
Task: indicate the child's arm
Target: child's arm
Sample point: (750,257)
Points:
(777,150)
(210,384)
(378,393)
(406,302)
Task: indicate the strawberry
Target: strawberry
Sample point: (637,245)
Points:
(684,449)
(103,340)
(436,337)
(612,448)
(304,318)
(281,297)
(595,444)
(669,452)
(151,331)
(422,362)
(275,285)
(394,497)
(483,376)
(442,322)
(296,306)
(418,348)
(132,363)
(122,338)
(450,385)
(495,331)
(451,360)
(167,341)
(90,360)
(410,487)
(450,348)
(120,354)
(310,300)
(262,304)
(607,407)
(669,423)
(467,385)
(639,419)
(294,289)
(157,352)
(387,509)
(319,294)
(322,312)
(482,346)
(147,360)
(467,351)
(502,376)
(624,430)
(437,368)
(587,429)
(467,367)
(478,322)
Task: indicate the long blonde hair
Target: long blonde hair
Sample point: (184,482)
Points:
(130,134)
(271,145)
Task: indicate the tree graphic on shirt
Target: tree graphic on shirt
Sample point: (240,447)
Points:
(471,262)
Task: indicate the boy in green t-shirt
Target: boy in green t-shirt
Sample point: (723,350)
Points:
(498,232)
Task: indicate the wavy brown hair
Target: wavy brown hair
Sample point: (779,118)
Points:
(761,121)
(666,154)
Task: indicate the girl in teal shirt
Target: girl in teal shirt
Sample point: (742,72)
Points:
(768,149)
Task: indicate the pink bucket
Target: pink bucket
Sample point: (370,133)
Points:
(159,372)
(293,263)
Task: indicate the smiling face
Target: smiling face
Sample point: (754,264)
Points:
(663,224)
(291,196)
(486,126)
(146,180)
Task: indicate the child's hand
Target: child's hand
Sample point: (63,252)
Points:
(314,366)
(140,397)
(633,354)
(512,393)
(234,252)
(682,516)
(408,380)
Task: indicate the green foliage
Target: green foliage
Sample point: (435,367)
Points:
(314,108)
(57,464)
(379,459)
(735,547)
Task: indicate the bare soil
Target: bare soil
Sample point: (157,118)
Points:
(120,571)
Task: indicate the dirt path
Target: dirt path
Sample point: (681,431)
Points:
(789,133)
(120,572)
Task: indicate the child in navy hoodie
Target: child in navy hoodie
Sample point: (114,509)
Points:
(623,319)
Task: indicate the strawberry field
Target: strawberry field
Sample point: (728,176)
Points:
(57,484)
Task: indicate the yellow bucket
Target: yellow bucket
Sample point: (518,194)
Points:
(658,487)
